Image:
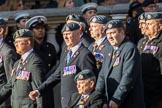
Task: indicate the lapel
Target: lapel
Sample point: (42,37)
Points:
(117,54)
(75,55)
(75,102)
(1,45)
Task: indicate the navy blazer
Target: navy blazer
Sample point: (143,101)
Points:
(120,77)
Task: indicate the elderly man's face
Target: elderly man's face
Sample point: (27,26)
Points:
(152,28)
(142,26)
(85,86)
(96,30)
(71,38)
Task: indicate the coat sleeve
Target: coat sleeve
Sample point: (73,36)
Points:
(89,62)
(9,59)
(130,72)
(51,81)
(100,85)
(38,71)
(97,101)
(5,92)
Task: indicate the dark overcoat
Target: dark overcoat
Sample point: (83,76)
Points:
(120,77)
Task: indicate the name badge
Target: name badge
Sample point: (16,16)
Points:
(23,75)
(117,61)
(69,70)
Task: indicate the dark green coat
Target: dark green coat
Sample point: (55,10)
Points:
(19,89)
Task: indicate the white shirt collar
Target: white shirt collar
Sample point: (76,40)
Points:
(100,40)
(75,48)
(25,55)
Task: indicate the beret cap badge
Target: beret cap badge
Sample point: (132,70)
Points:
(149,16)
(70,17)
(67,29)
(39,20)
(80,76)
(109,25)
(141,17)
(94,19)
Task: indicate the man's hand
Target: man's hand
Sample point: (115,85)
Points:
(112,104)
(33,94)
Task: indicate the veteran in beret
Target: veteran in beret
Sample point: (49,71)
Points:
(21,18)
(7,59)
(88,10)
(100,46)
(27,73)
(86,39)
(120,77)
(150,48)
(86,97)
(74,58)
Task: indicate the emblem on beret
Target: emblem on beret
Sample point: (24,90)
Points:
(39,20)
(141,17)
(67,29)
(16,34)
(70,17)
(109,25)
(94,19)
(80,76)
(148,16)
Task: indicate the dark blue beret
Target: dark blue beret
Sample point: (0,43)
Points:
(114,24)
(142,16)
(84,74)
(22,33)
(153,15)
(70,27)
(75,17)
(101,19)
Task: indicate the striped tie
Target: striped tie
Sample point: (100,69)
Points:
(68,56)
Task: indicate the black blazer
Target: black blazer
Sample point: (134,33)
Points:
(82,59)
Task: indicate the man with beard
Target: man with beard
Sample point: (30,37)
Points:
(27,73)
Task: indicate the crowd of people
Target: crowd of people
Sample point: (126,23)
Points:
(99,62)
